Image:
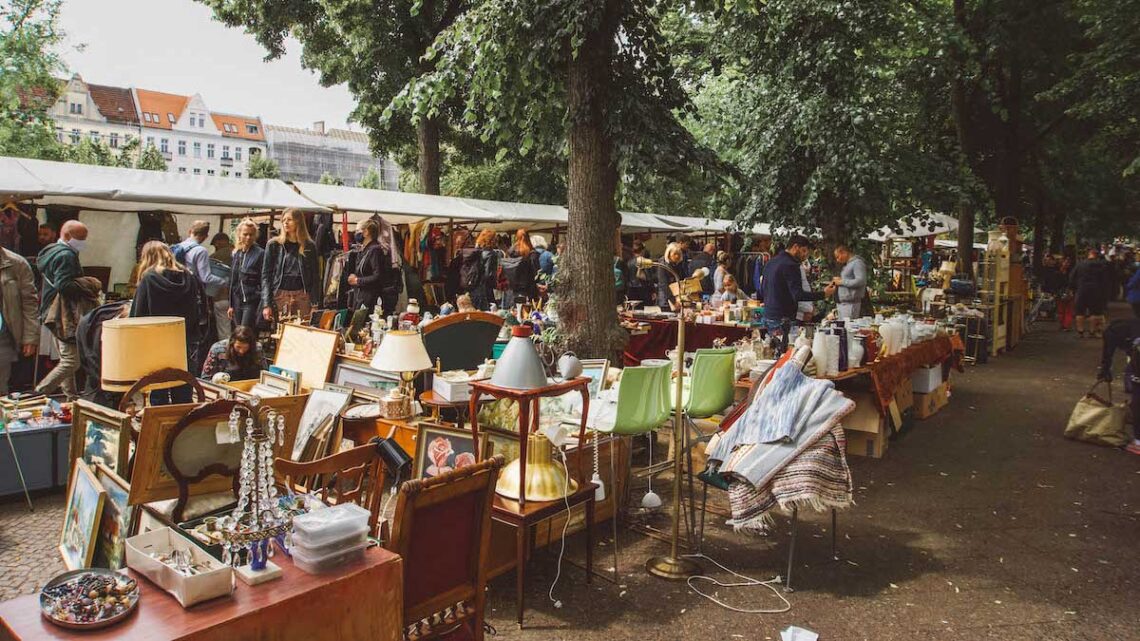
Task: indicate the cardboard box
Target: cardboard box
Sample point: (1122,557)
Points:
(866,444)
(904,396)
(927,405)
(866,416)
(926,379)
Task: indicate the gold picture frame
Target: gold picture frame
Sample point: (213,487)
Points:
(85,498)
(151,481)
(117,522)
(308,351)
(100,435)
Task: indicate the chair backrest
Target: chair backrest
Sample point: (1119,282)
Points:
(711,384)
(351,476)
(462,340)
(442,529)
(643,399)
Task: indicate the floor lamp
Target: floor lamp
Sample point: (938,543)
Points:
(674,566)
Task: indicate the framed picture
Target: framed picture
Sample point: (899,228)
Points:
(81,519)
(309,351)
(441,450)
(495,442)
(195,449)
(365,381)
(595,369)
(287,385)
(323,407)
(117,522)
(101,435)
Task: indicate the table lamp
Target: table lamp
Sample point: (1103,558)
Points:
(401,351)
(136,347)
(520,366)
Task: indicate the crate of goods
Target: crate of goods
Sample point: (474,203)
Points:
(327,538)
(453,387)
(926,379)
(927,405)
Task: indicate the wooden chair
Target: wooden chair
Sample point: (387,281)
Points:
(352,476)
(443,532)
(462,340)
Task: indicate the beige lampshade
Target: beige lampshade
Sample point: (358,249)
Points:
(401,351)
(135,347)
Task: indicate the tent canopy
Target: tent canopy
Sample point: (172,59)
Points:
(117,189)
(916,226)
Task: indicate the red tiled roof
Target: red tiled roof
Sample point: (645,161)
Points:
(233,126)
(115,103)
(159,105)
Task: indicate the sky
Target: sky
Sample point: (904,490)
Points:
(176,46)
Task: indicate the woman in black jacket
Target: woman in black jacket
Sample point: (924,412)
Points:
(373,278)
(166,288)
(289,280)
(245,277)
(675,258)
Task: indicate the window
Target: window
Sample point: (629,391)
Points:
(209,172)
(210,150)
(181,147)
(253,151)
(251,129)
(146,116)
(181,170)
(76,108)
(201,121)
(154,118)
(237,153)
(225,172)
(128,138)
(197,171)
(197,150)
(59,135)
(94,135)
(114,140)
(237,174)
(193,120)
(225,152)
(164,145)
(170,117)
(75,133)
(150,141)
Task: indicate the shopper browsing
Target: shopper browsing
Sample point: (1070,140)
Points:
(289,281)
(19,327)
(851,282)
(60,270)
(783,285)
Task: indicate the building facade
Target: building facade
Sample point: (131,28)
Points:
(307,154)
(195,140)
(95,112)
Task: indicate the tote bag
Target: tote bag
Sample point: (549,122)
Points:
(1097,420)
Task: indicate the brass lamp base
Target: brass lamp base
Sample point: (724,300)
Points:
(673,569)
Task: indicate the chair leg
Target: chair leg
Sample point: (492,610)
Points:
(618,500)
(704,503)
(792,549)
(834,534)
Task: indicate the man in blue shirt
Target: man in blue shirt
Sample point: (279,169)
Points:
(782,286)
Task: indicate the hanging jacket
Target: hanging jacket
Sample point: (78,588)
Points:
(277,259)
(245,276)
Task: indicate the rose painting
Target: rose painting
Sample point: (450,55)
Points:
(443,450)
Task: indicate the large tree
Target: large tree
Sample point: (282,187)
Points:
(29,37)
(590,77)
(373,46)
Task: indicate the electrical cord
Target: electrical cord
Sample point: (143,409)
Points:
(747,582)
(565,526)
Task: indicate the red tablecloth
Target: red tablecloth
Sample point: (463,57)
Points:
(888,372)
(662,336)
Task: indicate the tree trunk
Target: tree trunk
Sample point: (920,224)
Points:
(1057,231)
(427,140)
(1040,221)
(587,309)
(962,128)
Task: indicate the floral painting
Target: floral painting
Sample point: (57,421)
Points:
(443,450)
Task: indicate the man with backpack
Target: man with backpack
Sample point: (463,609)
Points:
(193,254)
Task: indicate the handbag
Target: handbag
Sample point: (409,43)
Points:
(1096,420)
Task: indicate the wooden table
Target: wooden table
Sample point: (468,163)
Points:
(363,600)
(522,517)
(436,403)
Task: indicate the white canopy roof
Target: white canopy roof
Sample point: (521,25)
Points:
(117,189)
(917,226)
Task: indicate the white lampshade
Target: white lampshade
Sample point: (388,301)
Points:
(135,347)
(401,351)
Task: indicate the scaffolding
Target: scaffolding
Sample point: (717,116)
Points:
(307,154)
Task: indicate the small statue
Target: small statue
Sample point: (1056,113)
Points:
(412,315)
(463,302)
(446,309)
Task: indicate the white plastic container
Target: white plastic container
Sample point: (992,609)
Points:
(302,543)
(331,525)
(316,564)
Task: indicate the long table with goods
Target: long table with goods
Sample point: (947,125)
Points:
(662,336)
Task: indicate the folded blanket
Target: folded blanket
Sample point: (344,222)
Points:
(818,478)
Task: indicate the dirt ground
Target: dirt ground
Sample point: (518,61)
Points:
(981,522)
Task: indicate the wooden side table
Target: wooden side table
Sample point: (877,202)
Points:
(432,400)
(523,515)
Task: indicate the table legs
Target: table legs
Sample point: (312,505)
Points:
(590,539)
(520,570)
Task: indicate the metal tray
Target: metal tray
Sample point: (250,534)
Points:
(94,625)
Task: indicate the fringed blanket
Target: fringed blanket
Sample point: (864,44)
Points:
(817,478)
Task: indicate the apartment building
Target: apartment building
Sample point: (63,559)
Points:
(195,140)
(99,113)
(307,154)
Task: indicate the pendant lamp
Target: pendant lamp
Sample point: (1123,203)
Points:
(520,366)
(546,479)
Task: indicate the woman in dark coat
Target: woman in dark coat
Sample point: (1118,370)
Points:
(245,277)
(289,279)
(373,278)
(166,288)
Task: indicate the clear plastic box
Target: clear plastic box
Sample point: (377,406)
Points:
(300,542)
(330,525)
(328,562)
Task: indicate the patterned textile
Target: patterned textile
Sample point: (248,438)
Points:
(887,372)
(818,478)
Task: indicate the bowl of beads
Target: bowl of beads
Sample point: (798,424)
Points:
(89,599)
